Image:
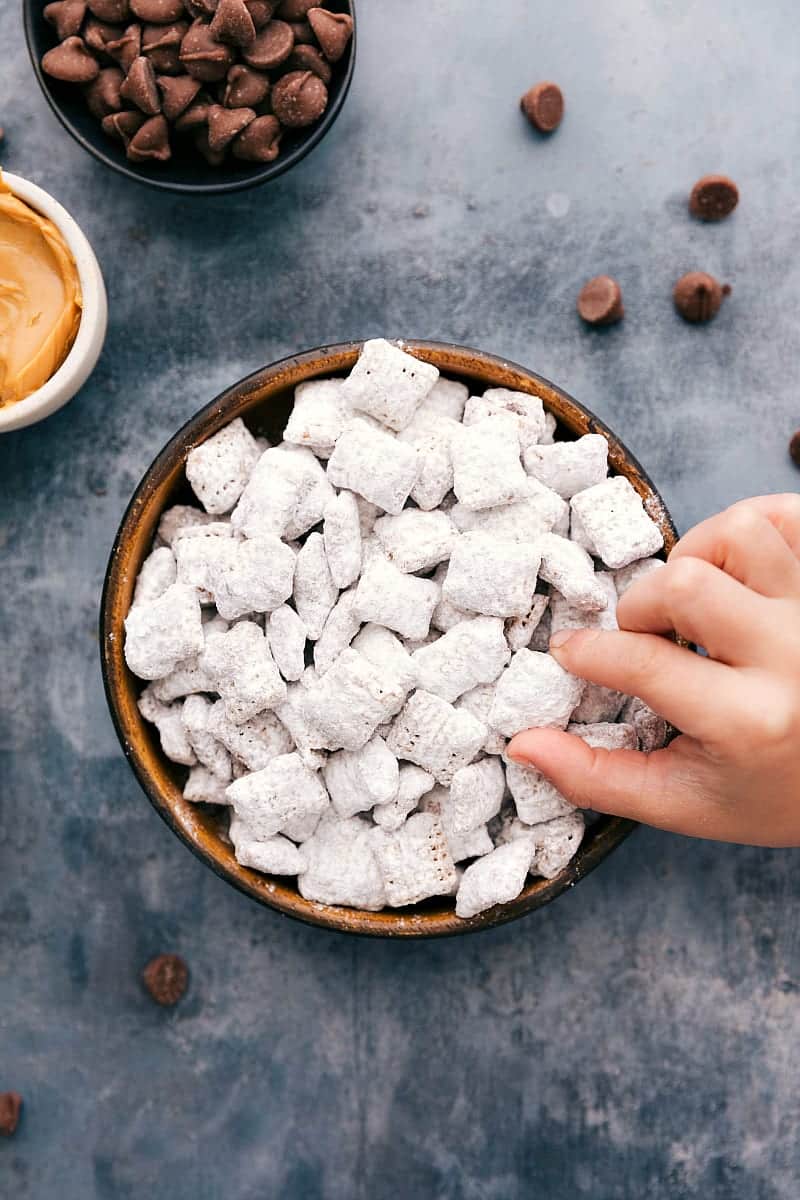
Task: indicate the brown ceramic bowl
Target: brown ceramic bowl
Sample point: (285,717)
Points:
(264,400)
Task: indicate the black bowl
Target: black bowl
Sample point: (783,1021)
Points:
(187,171)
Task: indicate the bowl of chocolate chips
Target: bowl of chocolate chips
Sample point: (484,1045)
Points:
(197,96)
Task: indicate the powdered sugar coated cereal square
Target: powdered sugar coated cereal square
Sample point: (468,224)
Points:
(487,470)
(319,415)
(571,571)
(415,540)
(569,467)
(534,692)
(614,518)
(478,701)
(434,735)
(388,384)
(472,652)
(535,798)
(476,794)
(282,791)
(341,867)
(286,635)
(218,469)
(412,785)
(359,779)
(527,410)
(414,861)
(341,533)
(315,593)
(243,671)
(374,464)
(489,576)
(557,843)
(348,703)
(157,573)
(403,603)
(162,633)
(497,878)
(274,856)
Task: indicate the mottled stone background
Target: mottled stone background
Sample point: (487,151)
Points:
(639,1037)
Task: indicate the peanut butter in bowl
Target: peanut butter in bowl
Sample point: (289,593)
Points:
(40,298)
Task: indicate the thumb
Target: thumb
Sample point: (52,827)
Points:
(662,788)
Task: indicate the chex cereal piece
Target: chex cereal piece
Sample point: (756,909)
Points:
(598,704)
(415,540)
(358,779)
(256,577)
(219,469)
(490,576)
(636,570)
(376,465)
(497,878)
(538,510)
(348,703)
(270,798)
(286,635)
(520,630)
(187,677)
(614,518)
(446,398)
(255,742)
(388,654)
(445,615)
(578,534)
(162,633)
(479,701)
(403,603)
(315,593)
(569,467)
(199,557)
(570,570)
(314,493)
(462,845)
(388,384)
(275,856)
(535,798)
(291,714)
(412,785)
(285,480)
(607,735)
(319,415)
(476,794)
(211,753)
(487,470)
(414,860)
(434,735)
(557,843)
(341,531)
(171,729)
(203,787)
(550,427)
(243,671)
(651,729)
(340,628)
(533,692)
(341,867)
(527,410)
(564,615)
(431,435)
(179,518)
(472,652)
(157,573)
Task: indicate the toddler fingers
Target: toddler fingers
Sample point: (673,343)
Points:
(754,541)
(699,602)
(671,679)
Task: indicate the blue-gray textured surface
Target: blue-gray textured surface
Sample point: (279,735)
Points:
(639,1037)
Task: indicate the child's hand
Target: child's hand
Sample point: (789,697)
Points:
(732,586)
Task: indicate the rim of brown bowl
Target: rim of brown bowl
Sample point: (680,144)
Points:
(263,399)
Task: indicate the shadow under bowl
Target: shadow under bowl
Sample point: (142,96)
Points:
(264,400)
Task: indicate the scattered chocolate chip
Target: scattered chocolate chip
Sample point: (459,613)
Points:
(103,93)
(295,10)
(232,23)
(203,56)
(270,47)
(166,977)
(151,141)
(698,296)
(123,125)
(600,301)
(245,88)
(713,197)
(127,47)
(66,16)
(10,1108)
(162,45)
(140,86)
(303,33)
(299,99)
(177,93)
(225,123)
(794,448)
(308,58)
(115,12)
(158,12)
(543,105)
(333,31)
(260,141)
(71,62)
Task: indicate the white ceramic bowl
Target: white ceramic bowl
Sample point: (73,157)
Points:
(80,362)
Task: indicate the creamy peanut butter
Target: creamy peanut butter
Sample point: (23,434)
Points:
(40,298)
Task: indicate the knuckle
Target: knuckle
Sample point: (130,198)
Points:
(683,579)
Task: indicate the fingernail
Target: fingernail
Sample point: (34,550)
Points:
(561,638)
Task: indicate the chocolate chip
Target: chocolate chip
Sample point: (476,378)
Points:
(202,9)
(232,23)
(162,45)
(303,33)
(225,123)
(103,93)
(308,58)
(140,86)
(166,977)
(98,36)
(151,141)
(333,31)
(698,296)
(600,301)
(158,12)
(196,114)
(115,12)
(177,93)
(127,47)
(295,10)
(123,126)
(543,105)
(270,47)
(214,158)
(260,12)
(10,1108)
(794,448)
(245,88)
(67,17)
(299,99)
(260,141)
(71,62)
(203,56)
(713,197)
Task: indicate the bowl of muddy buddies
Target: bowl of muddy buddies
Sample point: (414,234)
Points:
(328,609)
